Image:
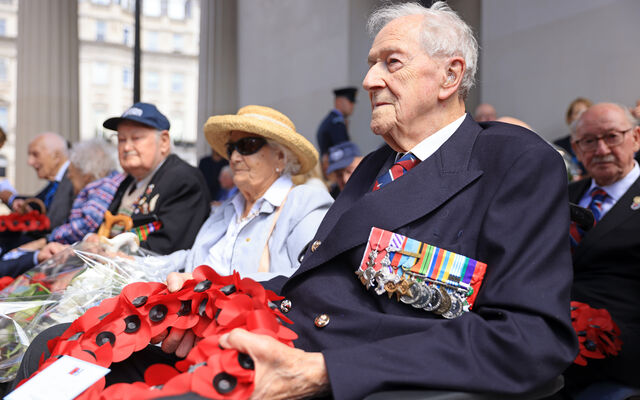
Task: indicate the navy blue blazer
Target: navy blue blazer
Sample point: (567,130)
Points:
(606,267)
(493,192)
(17,266)
(332,130)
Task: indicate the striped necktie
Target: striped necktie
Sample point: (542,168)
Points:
(598,197)
(403,165)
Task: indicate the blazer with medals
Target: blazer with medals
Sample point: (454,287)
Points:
(606,266)
(493,192)
(175,201)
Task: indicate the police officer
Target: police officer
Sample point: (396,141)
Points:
(333,129)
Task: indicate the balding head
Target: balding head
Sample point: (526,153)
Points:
(605,140)
(47,153)
(485,112)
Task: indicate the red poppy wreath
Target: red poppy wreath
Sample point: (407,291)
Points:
(597,334)
(210,305)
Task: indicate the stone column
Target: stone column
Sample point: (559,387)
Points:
(47,89)
(218,80)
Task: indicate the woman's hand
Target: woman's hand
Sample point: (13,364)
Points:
(177,341)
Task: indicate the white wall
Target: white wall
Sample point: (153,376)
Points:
(292,53)
(537,56)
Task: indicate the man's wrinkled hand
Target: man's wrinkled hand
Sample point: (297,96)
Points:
(282,372)
(19,206)
(50,250)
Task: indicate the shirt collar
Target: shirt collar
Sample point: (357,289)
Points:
(618,189)
(150,175)
(274,195)
(61,171)
(433,142)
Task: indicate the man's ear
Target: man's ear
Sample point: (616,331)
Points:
(635,132)
(165,142)
(454,71)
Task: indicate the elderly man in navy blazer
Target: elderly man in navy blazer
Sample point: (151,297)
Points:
(492,192)
(606,259)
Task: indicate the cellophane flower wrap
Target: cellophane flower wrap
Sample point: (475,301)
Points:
(60,290)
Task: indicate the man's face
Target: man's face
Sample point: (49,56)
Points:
(606,164)
(45,161)
(140,148)
(403,83)
(345,106)
(343,175)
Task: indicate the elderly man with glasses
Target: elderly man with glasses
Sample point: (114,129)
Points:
(606,259)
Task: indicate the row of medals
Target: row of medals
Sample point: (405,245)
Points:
(414,289)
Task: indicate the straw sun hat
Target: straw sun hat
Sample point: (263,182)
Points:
(263,121)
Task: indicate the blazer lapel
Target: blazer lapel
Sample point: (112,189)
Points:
(619,213)
(414,195)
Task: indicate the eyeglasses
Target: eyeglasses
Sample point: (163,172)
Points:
(246,146)
(611,139)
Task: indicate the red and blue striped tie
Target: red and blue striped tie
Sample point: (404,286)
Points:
(403,165)
(598,196)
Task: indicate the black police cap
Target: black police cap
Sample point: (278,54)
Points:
(348,92)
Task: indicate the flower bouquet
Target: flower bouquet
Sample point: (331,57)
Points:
(60,290)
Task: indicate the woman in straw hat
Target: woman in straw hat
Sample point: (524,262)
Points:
(262,229)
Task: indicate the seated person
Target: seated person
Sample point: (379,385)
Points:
(344,158)
(49,157)
(94,179)
(6,189)
(493,192)
(606,258)
(165,197)
(262,229)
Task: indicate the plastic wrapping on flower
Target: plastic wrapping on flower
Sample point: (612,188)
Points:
(60,290)
(210,305)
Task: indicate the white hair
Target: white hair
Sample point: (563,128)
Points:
(443,34)
(93,157)
(291,163)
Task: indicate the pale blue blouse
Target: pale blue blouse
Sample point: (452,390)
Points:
(303,210)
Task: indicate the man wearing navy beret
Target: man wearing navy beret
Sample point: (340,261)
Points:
(163,194)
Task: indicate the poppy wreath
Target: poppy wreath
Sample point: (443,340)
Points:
(598,335)
(32,221)
(210,305)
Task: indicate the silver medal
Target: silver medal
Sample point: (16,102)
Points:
(434,302)
(456,307)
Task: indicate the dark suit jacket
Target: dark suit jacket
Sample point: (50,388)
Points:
(332,130)
(60,206)
(177,197)
(17,266)
(606,267)
(493,192)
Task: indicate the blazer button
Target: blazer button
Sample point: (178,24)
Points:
(285,305)
(322,320)
(315,246)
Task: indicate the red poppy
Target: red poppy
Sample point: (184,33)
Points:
(598,335)
(209,304)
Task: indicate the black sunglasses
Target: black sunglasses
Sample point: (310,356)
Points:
(246,146)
